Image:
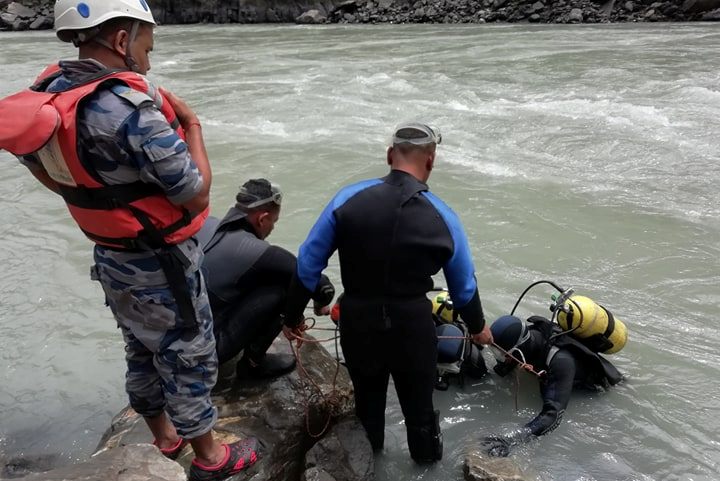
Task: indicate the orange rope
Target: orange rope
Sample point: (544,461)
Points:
(327,399)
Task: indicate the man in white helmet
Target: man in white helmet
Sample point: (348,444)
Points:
(130,163)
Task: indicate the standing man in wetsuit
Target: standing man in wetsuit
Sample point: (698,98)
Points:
(130,163)
(248,279)
(392,235)
(566,363)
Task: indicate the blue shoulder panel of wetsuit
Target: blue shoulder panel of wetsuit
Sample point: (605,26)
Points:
(459,270)
(320,243)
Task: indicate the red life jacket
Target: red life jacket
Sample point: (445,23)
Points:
(130,216)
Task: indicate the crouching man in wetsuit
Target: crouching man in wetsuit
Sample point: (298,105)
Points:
(392,235)
(248,280)
(566,363)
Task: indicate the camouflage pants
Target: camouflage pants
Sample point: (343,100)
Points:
(171,366)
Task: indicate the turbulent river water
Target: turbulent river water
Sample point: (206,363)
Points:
(587,155)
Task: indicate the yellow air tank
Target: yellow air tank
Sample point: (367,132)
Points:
(594,324)
(442,307)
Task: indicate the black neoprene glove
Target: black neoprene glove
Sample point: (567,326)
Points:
(325,292)
(502,369)
(501,445)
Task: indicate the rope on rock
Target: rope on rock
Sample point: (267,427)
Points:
(331,402)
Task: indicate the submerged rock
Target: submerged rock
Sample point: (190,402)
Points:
(138,462)
(17,467)
(478,467)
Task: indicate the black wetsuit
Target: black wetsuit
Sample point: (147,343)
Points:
(247,280)
(568,364)
(392,236)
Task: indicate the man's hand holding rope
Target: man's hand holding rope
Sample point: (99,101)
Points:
(295,332)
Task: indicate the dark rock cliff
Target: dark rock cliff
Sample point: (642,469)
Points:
(37,14)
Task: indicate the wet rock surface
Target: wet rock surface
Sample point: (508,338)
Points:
(479,467)
(344,454)
(281,413)
(138,462)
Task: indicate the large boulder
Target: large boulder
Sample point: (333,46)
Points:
(17,16)
(311,17)
(344,454)
(7,19)
(20,10)
(576,16)
(41,23)
(713,16)
(278,412)
(699,6)
(478,467)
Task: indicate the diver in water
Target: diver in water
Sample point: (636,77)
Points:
(562,362)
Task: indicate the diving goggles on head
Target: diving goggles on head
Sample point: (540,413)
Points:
(275,197)
(416,134)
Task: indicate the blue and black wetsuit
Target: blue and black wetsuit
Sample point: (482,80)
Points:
(392,236)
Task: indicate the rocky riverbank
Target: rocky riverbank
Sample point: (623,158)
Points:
(304,423)
(37,14)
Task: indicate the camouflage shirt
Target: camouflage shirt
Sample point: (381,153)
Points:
(127,139)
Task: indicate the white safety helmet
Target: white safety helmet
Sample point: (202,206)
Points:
(74,15)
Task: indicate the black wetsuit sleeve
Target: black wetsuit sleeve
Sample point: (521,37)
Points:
(472,314)
(298,297)
(275,264)
(556,391)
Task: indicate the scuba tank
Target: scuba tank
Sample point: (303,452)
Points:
(442,308)
(588,322)
(592,324)
(457,356)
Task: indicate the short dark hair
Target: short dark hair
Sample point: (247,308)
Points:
(253,190)
(114,24)
(408,148)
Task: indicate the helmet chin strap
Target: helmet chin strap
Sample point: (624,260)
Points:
(129,60)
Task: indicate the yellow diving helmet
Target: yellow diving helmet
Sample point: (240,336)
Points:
(591,322)
(442,307)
